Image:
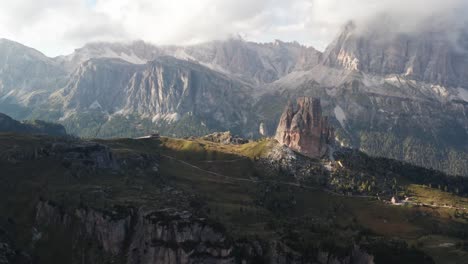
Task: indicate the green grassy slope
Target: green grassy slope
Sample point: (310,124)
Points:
(230,201)
(225,184)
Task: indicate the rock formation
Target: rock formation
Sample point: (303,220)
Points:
(168,235)
(225,138)
(304,129)
(162,236)
(262,130)
(164,90)
(26,71)
(429,55)
(255,63)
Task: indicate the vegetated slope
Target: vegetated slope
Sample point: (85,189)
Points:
(177,200)
(9,125)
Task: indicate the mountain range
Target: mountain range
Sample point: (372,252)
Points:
(390,94)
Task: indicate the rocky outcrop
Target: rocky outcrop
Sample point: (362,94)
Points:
(225,138)
(81,157)
(357,256)
(263,130)
(85,154)
(170,236)
(281,160)
(72,154)
(143,236)
(303,128)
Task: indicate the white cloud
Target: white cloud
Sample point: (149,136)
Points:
(58,26)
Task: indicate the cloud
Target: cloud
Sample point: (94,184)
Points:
(48,25)
(57,27)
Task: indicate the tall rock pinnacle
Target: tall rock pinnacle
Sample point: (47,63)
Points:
(303,128)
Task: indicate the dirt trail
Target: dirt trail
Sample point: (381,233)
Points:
(266,181)
(299,185)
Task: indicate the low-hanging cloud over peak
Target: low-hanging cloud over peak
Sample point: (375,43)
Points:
(57,27)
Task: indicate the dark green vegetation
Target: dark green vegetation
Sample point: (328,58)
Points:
(400,171)
(96,124)
(8,124)
(69,200)
(449,156)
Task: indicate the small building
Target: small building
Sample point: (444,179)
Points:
(151,136)
(155,136)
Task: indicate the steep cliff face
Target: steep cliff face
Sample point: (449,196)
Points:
(96,84)
(430,55)
(253,62)
(25,70)
(174,87)
(165,90)
(141,236)
(304,129)
(170,236)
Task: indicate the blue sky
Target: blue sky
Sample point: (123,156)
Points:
(90,3)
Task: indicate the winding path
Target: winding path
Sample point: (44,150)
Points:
(296,184)
(266,181)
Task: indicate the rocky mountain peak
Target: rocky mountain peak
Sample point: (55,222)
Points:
(23,69)
(383,48)
(303,128)
(256,63)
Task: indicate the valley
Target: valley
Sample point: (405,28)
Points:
(250,200)
(234,132)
